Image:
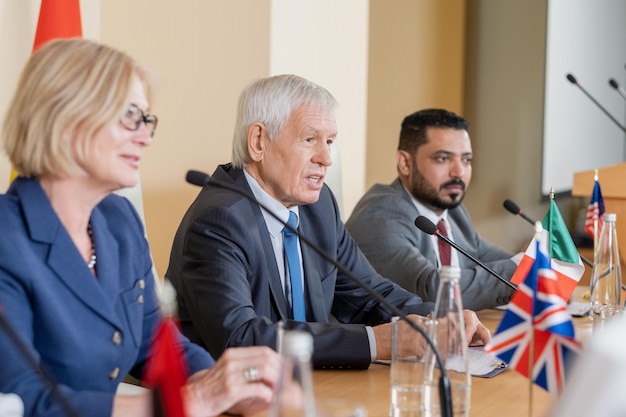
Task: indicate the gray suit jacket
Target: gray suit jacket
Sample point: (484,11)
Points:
(383,225)
(229,289)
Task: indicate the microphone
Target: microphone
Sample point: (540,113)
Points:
(619,89)
(201,179)
(48,379)
(198,178)
(573,80)
(514,208)
(428,227)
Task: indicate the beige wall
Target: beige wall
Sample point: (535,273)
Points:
(330,47)
(416,60)
(204,53)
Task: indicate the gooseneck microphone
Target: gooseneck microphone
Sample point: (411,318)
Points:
(45,376)
(426,226)
(201,179)
(574,81)
(514,208)
(617,87)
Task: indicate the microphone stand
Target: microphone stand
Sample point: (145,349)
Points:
(426,226)
(573,80)
(21,347)
(445,394)
(514,209)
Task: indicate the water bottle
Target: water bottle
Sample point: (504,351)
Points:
(293,395)
(606,276)
(448,332)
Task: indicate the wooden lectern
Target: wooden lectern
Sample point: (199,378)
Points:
(612,181)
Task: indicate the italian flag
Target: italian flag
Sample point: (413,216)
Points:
(564,257)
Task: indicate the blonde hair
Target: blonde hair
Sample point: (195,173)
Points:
(68,92)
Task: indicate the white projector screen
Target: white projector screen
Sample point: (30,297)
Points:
(586,38)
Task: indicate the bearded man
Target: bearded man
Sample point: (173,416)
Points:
(434,161)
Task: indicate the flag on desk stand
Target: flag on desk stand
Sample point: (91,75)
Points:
(166,371)
(564,257)
(536,335)
(595,210)
(57,19)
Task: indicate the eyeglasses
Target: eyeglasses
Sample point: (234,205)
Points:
(133,118)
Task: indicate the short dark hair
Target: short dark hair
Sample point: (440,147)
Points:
(415,126)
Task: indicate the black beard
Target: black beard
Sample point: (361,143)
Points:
(429,196)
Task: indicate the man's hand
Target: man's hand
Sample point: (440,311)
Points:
(411,342)
(475,332)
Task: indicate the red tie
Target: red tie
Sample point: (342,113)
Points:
(444,248)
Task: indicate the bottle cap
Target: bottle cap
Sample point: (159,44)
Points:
(609,217)
(450,273)
(297,342)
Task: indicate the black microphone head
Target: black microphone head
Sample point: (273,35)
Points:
(511,206)
(198,178)
(425,225)
(613,83)
(571,79)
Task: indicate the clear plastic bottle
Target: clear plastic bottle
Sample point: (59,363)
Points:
(293,396)
(448,332)
(606,276)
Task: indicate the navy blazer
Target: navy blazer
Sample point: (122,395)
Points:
(87,332)
(229,289)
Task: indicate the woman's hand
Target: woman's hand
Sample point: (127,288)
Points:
(241,382)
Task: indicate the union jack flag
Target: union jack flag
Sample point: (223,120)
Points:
(537,313)
(595,210)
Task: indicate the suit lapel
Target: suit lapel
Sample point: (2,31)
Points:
(107,255)
(459,238)
(425,244)
(63,257)
(276,285)
(314,294)
(228,174)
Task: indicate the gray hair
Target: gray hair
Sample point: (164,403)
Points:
(271,101)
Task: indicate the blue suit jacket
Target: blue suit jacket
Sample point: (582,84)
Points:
(67,317)
(229,289)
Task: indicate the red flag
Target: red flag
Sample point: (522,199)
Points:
(58,19)
(166,371)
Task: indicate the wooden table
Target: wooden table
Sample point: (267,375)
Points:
(506,394)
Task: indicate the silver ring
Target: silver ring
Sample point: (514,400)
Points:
(251,374)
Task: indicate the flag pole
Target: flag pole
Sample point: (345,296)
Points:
(531,355)
(595,220)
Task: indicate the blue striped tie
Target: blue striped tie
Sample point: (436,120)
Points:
(293,263)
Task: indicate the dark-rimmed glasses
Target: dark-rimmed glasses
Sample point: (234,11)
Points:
(133,118)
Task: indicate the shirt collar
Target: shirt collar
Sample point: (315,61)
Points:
(274,226)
